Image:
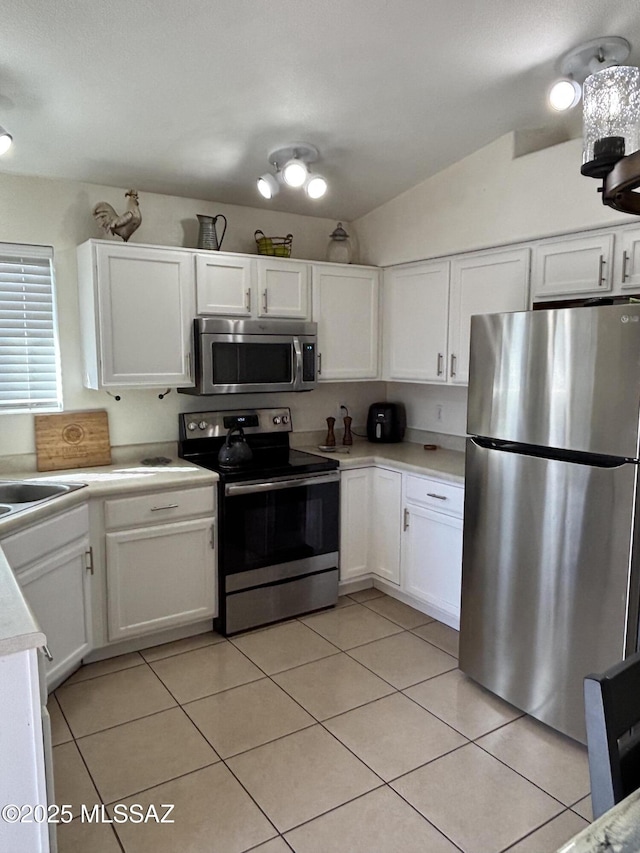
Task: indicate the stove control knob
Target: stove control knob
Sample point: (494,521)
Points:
(191,425)
(276,420)
(285,419)
(203,424)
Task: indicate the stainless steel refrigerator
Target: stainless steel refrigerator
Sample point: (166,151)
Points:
(551,535)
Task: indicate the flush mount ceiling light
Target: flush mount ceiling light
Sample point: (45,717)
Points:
(6,140)
(610,118)
(580,63)
(291,164)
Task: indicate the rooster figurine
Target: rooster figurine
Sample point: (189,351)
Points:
(124,225)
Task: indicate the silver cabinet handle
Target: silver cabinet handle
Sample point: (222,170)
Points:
(188,358)
(47,653)
(264,301)
(438,497)
(601,278)
(440,360)
(625,261)
(168,506)
(453,364)
(89,559)
(319,364)
(405,524)
(248,300)
(212,540)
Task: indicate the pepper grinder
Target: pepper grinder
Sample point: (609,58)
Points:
(347,438)
(330,440)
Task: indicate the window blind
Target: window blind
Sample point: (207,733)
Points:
(29,356)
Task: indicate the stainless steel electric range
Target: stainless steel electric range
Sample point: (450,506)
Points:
(278,518)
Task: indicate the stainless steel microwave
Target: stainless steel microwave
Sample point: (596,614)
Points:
(253,356)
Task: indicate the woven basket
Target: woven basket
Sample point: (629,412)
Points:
(278,246)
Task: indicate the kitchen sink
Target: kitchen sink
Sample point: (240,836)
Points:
(16,495)
(22,493)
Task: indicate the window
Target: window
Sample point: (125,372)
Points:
(29,352)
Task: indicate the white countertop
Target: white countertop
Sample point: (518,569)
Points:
(18,628)
(405,456)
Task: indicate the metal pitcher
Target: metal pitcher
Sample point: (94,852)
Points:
(207,236)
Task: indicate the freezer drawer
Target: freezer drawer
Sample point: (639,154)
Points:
(548,582)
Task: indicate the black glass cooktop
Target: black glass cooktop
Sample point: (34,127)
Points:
(267,465)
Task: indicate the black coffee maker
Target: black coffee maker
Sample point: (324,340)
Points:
(386,422)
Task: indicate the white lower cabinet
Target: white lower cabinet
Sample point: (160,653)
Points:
(431,561)
(159,574)
(384,538)
(406,530)
(160,577)
(355,512)
(51,563)
(370,523)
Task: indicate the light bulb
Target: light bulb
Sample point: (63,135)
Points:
(316,186)
(6,141)
(268,185)
(564,94)
(294,173)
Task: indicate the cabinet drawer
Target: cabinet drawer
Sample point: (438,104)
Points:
(440,496)
(42,538)
(159,507)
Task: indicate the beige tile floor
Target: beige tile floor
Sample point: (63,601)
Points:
(351,730)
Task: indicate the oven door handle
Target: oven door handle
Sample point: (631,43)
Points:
(272,485)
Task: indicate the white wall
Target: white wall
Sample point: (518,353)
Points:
(58,213)
(490,198)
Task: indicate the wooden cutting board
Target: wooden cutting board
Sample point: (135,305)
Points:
(72,440)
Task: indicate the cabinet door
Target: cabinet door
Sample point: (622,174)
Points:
(416,308)
(355,491)
(629,259)
(345,307)
(283,288)
(223,285)
(57,591)
(569,265)
(432,561)
(145,305)
(484,284)
(159,577)
(386,494)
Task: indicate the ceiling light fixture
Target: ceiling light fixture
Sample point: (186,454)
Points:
(6,140)
(291,164)
(610,118)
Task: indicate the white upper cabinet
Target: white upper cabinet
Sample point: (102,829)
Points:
(136,309)
(283,288)
(416,312)
(572,265)
(224,284)
(482,284)
(237,286)
(345,307)
(628,259)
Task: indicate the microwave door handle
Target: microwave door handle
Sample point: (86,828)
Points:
(297,357)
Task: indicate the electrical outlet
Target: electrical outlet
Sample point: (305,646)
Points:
(341,411)
(439,408)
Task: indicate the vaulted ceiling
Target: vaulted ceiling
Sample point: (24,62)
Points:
(189,98)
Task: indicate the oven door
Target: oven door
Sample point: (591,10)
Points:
(279,548)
